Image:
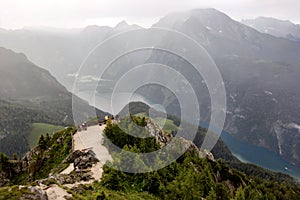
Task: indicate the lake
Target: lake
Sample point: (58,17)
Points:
(244,152)
(259,156)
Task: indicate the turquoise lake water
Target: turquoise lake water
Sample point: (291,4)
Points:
(259,156)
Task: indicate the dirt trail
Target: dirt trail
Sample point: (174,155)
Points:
(91,138)
(57,193)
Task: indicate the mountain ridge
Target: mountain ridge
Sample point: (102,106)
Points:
(38,172)
(30,94)
(251,64)
(275,27)
(260,72)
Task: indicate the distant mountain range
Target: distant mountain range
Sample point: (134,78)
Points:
(260,71)
(30,94)
(60,52)
(275,27)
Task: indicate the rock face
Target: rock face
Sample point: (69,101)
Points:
(190,146)
(82,163)
(3,178)
(161,137)
(12,167)
(72,178)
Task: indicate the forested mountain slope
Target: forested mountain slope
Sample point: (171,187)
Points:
(29,94)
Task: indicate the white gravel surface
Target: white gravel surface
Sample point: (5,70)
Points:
(57,193)
(91,138)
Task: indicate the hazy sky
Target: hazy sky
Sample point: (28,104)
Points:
(79,13)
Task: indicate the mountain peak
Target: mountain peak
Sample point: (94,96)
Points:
(207,17)
(95,30)
(122,24)
(206,11)
(209,14)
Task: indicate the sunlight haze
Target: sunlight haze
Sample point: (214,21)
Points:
(16,14)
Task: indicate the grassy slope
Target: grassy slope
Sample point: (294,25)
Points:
(13,192)
(38,129)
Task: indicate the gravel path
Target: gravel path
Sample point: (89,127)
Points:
(57,193)
(91,138)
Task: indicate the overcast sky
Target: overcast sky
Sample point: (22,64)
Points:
(79,13)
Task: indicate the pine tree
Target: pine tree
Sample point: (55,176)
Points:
(240,195)
(42,142)
(212,195)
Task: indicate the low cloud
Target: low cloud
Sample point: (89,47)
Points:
(77,13)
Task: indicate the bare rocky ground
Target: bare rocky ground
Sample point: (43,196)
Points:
(86,162)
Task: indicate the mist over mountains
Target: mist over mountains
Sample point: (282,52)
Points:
(30,94)
(260,71)
(60,52)
(275,27)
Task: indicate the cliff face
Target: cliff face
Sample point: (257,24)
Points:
(161,137)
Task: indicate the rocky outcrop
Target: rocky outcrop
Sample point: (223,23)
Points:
(82,163)
(35,193)
(4,178)
(190,146)
(82,160)
(72,178)
(161,137)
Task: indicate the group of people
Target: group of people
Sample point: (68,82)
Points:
(107,117)
(82,127)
